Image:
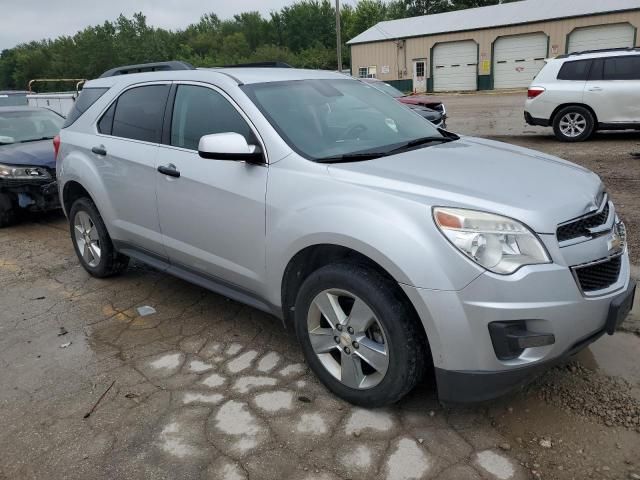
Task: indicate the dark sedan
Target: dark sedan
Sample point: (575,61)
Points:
(27,161)
(428,107)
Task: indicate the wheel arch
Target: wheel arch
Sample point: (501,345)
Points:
(313,257)
(71,192)
(574,104)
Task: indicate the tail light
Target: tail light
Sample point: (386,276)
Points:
(533,92)
(56,146)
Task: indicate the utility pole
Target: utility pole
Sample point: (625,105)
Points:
(338,36)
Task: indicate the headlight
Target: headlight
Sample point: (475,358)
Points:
(23,173)
(499,244)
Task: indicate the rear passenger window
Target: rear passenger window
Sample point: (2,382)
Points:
(87,97)
(105,125)
(200,111)
(577,70)
(622,68)
(138,113)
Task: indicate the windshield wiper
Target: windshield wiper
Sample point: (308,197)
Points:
(351,157)
(35,139)
(358,157)
(420,141)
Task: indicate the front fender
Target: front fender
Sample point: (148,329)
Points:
(396,232)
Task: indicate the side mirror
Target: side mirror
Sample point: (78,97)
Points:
(229,146)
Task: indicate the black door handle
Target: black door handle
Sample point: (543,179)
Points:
(169,170)
(99,150)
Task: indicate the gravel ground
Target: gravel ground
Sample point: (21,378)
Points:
(610,400)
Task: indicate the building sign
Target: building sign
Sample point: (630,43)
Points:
(385,69)
(485,67)
(554,49)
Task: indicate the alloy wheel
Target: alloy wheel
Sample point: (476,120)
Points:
(573,124)
(348,339)
(87,239)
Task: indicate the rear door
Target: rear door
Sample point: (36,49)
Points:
(613,89)
(213,215)
(130,131)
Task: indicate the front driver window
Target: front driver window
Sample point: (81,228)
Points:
(200,111)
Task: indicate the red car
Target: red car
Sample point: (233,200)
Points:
(429,107)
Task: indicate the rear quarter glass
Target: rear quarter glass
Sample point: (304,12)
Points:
(87,97)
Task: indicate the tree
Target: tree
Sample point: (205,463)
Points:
(301,34)
(366,14)
(308,23)
(426,7)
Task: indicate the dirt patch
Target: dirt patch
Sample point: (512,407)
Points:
(573,387)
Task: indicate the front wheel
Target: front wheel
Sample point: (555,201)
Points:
(359,335)
(92,242)
(573,124)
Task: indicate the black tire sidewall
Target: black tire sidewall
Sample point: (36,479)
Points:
(574,109)
(106,247)
(380,294)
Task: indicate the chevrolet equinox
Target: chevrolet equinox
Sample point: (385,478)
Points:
(391,247)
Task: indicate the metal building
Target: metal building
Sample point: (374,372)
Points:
(501,46)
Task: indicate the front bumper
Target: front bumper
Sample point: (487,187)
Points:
(545,297)
(32,195)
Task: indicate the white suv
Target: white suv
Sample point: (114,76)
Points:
(583,92)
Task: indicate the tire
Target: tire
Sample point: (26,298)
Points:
(395,329)
(8,214)
(98,256)
(573,124)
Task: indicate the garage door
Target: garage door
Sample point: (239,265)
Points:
(518,59)
(455,66)
(618,35)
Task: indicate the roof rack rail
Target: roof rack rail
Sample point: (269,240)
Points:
(259,65)
(600,50)
(148,67)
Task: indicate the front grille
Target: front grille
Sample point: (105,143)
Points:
(580,227)
(599,276)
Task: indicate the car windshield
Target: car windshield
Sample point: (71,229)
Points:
(340,119)
(388,89)
(21,126)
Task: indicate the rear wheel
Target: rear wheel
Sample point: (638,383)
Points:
(92,242)
(359,335)
(573,124)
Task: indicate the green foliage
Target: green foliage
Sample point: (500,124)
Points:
(302,34)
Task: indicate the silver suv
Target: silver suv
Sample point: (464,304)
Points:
(580,93)
(390,247)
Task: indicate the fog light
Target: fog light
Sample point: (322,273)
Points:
(512,338)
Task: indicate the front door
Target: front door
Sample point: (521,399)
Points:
(419,76)
(212,216)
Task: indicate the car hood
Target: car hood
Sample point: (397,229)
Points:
(37,154)
(427,113)
(537,189)
(420,100)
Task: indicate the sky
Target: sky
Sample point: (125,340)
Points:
(26,20)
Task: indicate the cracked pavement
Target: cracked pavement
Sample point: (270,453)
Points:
(206,388)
